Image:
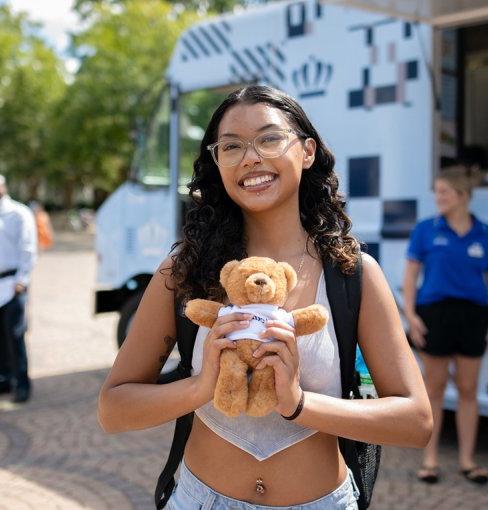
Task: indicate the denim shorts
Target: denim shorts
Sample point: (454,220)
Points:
(192,494)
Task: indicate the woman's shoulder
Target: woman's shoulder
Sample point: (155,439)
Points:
(369,265)
(165,268)
(481,225)
(429,223)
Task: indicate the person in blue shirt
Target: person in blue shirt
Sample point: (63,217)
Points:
(448,315)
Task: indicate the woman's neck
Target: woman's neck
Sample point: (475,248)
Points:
(275,234)
(459,220)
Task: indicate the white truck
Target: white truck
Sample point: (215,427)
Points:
(392,86)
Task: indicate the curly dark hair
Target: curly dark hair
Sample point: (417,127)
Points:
(213,232)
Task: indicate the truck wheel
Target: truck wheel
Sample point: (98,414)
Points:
(126,315)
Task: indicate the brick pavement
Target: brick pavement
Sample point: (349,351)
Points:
(53,454)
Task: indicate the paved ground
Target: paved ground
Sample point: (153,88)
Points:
(53,454)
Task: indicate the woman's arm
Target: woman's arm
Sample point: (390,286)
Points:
(129,398)
(417,328)
(402,415)
(412,271)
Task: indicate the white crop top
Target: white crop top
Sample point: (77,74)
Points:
(319,372)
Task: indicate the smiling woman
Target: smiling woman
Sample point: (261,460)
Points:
(264,185)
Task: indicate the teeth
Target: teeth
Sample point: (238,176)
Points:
(255,181)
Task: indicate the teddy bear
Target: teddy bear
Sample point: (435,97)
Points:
(258,286)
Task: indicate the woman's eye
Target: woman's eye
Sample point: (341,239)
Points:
(271,138)
(231,146)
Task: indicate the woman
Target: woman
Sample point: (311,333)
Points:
(448,316)
(264,185)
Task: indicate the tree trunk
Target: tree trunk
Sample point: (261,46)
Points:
(68,192)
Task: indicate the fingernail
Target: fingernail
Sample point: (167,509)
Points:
(255,354)
(244,322)
(247,315)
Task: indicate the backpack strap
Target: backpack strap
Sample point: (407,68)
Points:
(344,294)
(186,333)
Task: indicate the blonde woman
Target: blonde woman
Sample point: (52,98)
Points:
(448,315)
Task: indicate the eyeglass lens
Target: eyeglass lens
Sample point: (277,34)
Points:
(268,145)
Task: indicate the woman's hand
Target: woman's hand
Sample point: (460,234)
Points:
(417,330)
(214,344)
(283,357)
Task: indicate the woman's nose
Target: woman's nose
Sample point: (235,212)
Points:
(251,157)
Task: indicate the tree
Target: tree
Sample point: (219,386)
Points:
(86,8)
(124,53)
(31,83)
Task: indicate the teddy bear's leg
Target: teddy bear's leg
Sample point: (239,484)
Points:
(262,395)
(230,396)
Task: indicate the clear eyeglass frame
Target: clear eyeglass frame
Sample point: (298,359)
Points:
(214,147)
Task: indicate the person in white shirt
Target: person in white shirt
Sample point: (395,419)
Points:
(18,251)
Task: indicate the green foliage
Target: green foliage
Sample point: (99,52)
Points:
(124,54)
(79,130)
(31,83)
(87,8)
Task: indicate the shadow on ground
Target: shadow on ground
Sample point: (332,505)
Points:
(54,455)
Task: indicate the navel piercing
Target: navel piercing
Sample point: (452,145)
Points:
(260,488)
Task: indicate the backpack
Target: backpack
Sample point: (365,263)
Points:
(344,294)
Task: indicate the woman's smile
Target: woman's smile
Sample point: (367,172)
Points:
(257,181)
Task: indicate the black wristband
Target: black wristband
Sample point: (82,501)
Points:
(299,408)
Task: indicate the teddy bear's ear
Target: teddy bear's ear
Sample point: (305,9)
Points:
(290,274)
(226,270)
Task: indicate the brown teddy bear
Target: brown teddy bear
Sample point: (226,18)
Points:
(260,286)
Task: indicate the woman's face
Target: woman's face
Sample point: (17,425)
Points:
(258,184)
(447,198)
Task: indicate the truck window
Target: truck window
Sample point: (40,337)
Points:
(196,108)
(151,161)
(464,102)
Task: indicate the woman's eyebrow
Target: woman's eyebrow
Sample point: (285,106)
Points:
(263,128)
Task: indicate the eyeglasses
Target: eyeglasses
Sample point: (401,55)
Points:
(271,144)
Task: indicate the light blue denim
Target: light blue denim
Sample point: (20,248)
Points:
(192,494)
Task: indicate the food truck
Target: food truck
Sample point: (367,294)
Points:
(393,87)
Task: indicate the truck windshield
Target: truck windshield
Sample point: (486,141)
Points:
(151,162)
(196,108)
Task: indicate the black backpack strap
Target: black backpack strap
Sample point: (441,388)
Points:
(344,294)
(186,333)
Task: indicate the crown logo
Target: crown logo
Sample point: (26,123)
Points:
(312,78)
(152,239)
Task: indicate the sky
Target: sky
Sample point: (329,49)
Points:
(57,19)
(55,15)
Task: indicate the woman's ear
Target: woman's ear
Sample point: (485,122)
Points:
(309,148)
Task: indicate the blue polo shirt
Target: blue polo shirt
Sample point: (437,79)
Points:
(453,265)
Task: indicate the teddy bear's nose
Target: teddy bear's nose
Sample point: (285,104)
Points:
(260,281)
